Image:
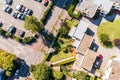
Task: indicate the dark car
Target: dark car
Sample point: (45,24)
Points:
(46,2)
(22,17)
(8,2)
(11,29)
(30,12)
(15,14)
(19,7)
(9,10)
(98,62)
(22,33)
(1,24)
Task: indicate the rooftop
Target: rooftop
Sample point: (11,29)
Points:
(115,74)
(105,5)
(89,60)
(88,7)
(85,44)
(80,31)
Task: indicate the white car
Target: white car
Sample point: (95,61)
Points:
(19,6)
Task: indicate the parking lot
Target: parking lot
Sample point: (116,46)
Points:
(8,19)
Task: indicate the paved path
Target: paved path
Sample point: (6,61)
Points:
(29,55)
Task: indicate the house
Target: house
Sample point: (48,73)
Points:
(88,8)
(2,74)
(85,57)
(115,74)
(116,4)
(104,6)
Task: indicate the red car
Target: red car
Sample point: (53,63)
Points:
(46,2)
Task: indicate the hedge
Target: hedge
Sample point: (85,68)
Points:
(46,57)
(71,9)
(44,16)
(65,61)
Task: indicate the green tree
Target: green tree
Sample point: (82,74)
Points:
(104,38)
(57,75)
(7,61)
(80,75)
(42,72)
(2,31)
(32,23)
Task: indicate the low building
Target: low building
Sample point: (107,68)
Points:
(85,57)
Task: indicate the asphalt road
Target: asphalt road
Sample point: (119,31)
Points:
(21,51)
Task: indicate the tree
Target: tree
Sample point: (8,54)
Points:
(32,23)
(42,72)
(7,61)
(104,38)
(63,31)
(57,75)
(80,75)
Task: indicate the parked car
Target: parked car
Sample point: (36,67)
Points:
(5,8)
(15,14)
(30,12)
(38,0)
(98,62)
(17,73)
(9,10)
(19,15)
(19,7)
(23,9)
(22,17)
(22,33)
(8,2)
(1,24)
(26,11)
(11,29)
(46,2)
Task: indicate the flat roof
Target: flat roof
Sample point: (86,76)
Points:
(105,4)
(89,60)
(81,29)
(85,44)
(115,74)
(71,32)
(88,7)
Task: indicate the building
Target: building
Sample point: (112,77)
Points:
(85,57)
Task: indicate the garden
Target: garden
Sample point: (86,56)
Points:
(109,34)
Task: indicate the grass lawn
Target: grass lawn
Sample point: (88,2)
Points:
(72,23)
(60,56)
(111,29)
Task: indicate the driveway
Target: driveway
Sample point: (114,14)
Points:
(22,51)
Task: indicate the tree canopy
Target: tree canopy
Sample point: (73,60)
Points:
(7,61)
(42,72)
(32,23)
(57,75)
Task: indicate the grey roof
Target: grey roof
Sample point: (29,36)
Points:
(80,31)
(71,32)
(89,8)
(105,5)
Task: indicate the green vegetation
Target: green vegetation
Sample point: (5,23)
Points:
(110,31)
(43,72)
(32,23)
(8,34)
(45,58)
(95,78)
(57,75)
(72,23)
(28,39)
(7,62)
(71,9)
(44,16)
(80,75)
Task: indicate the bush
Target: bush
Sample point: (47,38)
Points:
(18,39)
(57,75)
(8,34)
(2,32)
(28,39)
(8,73)
(105,40)
(116,42)
(71,9)
(44,16)
(45,58)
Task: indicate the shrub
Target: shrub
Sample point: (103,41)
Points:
(8,73)
(18,39)
(44,16)
(2,32)
(105,40)
(57,75)
(45,58)
(28,39)
(71,9)
(8,34)
(116,42)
